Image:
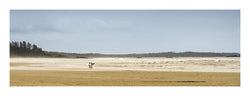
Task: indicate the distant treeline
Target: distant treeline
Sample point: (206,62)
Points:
(26,49)
(163,54)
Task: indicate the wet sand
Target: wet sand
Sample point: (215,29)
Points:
(122,78)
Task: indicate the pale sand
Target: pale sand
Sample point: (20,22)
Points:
(187,64)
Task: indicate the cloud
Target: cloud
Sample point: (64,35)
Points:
(142,30)
(64,24)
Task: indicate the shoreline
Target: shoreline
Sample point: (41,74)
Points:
(121,70)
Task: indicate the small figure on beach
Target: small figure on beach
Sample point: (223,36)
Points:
(91,65)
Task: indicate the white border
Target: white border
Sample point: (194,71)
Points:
(125,4)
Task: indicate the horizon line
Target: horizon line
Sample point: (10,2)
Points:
(143,52)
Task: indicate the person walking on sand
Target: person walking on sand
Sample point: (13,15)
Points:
(91,65)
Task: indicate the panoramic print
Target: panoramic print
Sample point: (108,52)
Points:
(124,48)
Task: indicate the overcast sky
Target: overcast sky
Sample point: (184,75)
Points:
(128,31)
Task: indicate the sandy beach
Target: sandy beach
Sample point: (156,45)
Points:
(184,71)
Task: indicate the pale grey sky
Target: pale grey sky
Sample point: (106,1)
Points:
(128,31)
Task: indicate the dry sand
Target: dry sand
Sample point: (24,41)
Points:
(188,64)
(210,71)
